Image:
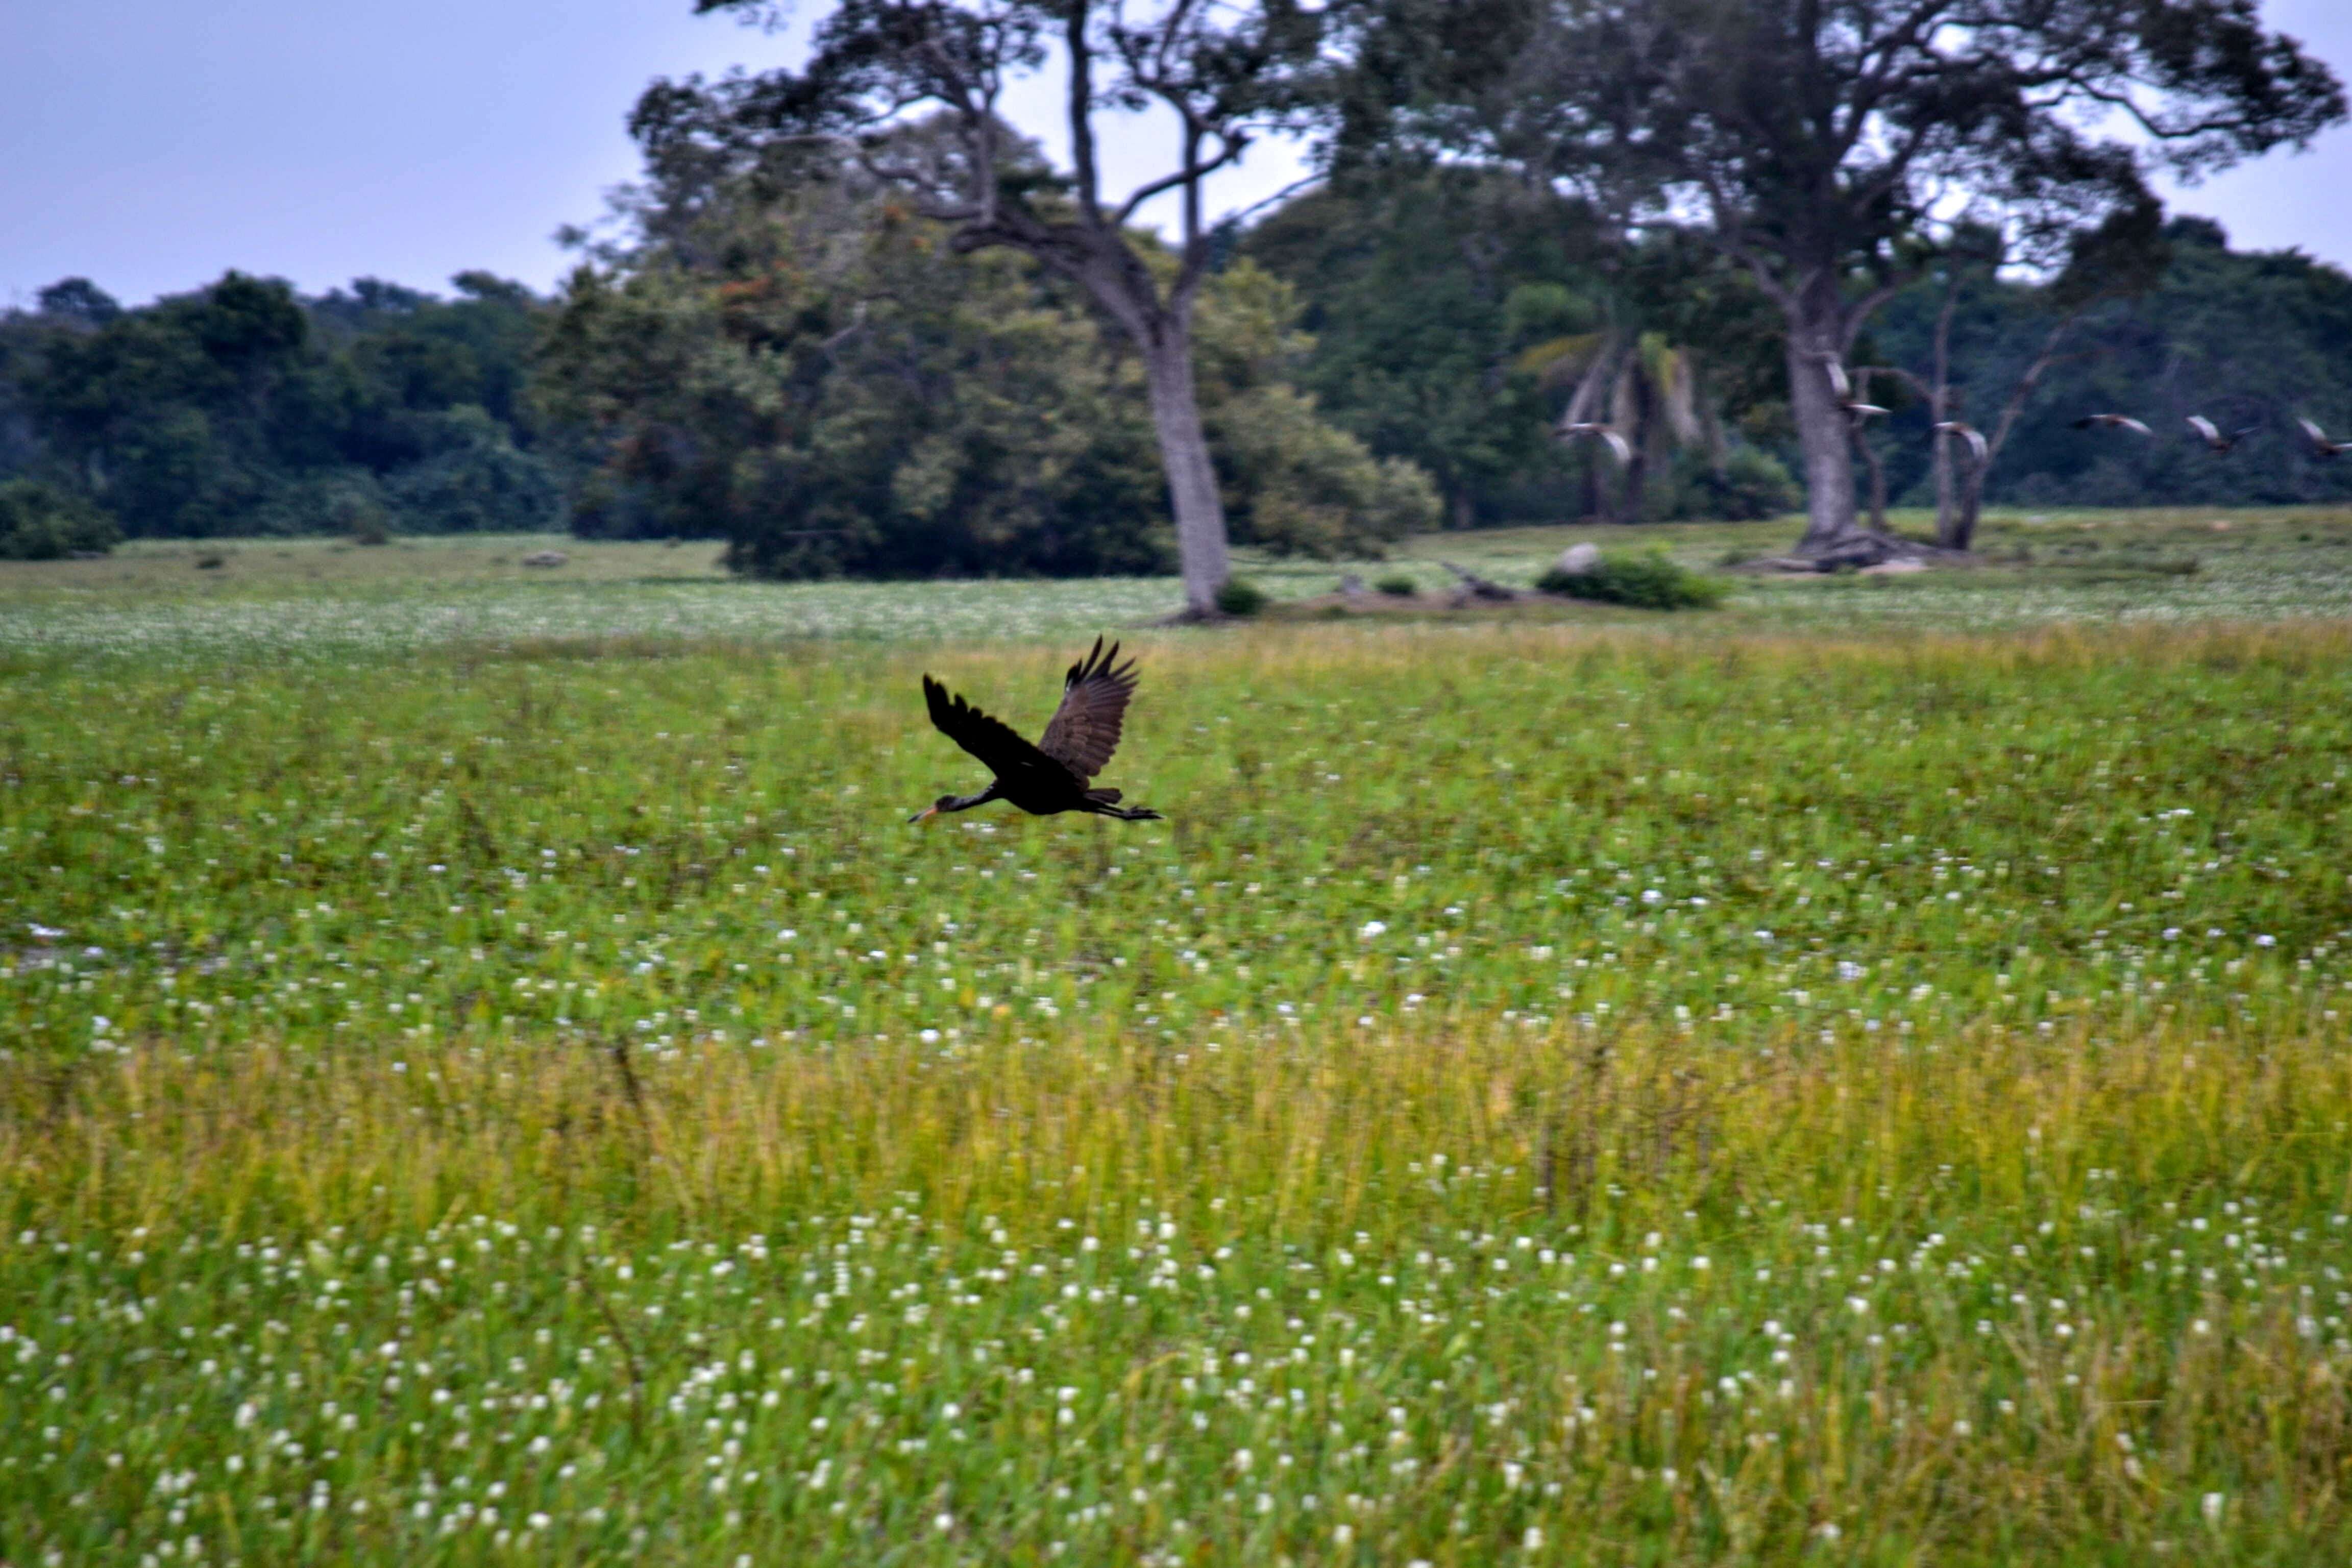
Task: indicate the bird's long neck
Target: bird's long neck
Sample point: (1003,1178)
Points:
(966,801)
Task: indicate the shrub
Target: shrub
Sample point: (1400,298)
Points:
(1398,588)
(1651,582)
(1240,596)
(40,521)
(1751,487)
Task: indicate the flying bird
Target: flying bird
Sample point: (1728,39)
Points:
(1841,388)
(1978,447)
(1054,774)
(2220,443)
(2112,422)
(2321,447)
(1609,433)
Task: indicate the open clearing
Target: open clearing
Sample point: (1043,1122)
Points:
(1796,1084)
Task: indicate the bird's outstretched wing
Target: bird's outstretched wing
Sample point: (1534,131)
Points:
(991,739)
(1084,731)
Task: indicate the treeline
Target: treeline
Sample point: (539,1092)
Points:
(243,408)
(793,361)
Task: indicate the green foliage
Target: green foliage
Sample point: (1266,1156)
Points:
(1294,483)
(1240,596)
(472,478)
(826,380)
(243,408)
(41,521)
(1651,581)
(1418,291)
(1751,486)
(1399,588)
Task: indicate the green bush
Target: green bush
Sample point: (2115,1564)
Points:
(1398,588)
(40,521)
(1651,582)
(1751,487)
(1240,596)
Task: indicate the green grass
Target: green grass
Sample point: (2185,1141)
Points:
(1549,1094)
(329,599)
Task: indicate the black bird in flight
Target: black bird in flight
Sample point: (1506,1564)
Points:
(1053,775)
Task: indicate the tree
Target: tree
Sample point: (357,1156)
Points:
(1223,71)
(803,364)
(1421,290)
(2123,257)
(1827,144)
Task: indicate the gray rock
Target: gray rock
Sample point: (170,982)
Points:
(545,558)
(1578,560)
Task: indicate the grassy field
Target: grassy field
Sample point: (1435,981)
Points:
(306,598)
(1553,1092)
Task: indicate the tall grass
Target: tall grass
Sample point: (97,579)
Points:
(1418,1297)
(1543,1097)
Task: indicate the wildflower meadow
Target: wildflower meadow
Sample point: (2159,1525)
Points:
(1550,1093)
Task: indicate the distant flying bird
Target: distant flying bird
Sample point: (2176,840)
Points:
(1969,434)
(1052,775)
(2112,422)
(1609,433)
(1841,388)
(2218,442)
(2321,447)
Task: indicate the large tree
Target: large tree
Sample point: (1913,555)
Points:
(1219,72)
(1828,145)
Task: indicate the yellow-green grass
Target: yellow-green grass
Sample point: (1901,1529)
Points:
(1970,1007)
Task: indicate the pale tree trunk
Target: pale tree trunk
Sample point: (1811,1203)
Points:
(1192,495)
(1871,460)
(1939,403)
(1824,430)
(1961,532)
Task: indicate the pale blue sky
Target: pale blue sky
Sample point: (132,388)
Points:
(151,144)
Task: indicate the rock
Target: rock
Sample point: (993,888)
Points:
(545,558)
(1352,585)
(1578,560)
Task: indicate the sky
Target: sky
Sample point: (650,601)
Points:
(150,145)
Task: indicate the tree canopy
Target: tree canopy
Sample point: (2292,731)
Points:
(242,408)
(813,368)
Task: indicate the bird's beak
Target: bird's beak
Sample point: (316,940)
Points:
(926,811)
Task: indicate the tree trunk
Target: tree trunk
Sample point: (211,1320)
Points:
(1824,430)
(1191,478)
(1633,492)
(1940,403)
(1633,488)
(1959,531)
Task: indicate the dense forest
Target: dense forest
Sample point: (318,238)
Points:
(242,408)
(800,364)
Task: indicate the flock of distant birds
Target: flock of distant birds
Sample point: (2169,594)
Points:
(2215,439)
